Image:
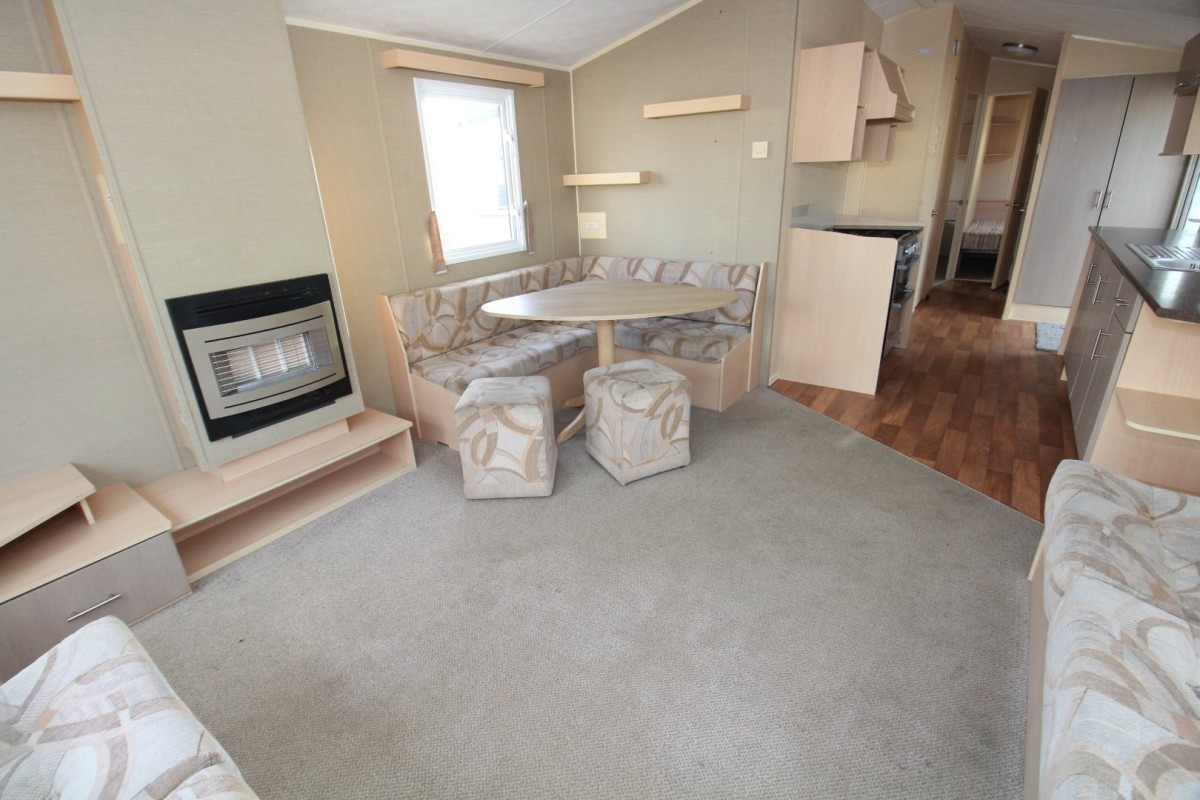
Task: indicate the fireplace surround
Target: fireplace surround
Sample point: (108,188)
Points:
(261,354)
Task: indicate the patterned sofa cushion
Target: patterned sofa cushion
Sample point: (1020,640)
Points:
(682,338)
(1105,640)
(1144,539)
(740,278)
(518,352)
(95,718)
(439,319)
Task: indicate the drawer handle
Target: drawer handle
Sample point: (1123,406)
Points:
(1099,337)
(1094,266)
(79,614)
(1120,302)
(1099,285)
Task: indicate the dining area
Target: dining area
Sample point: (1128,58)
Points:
(481,365)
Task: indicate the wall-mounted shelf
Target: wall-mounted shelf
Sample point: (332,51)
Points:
(398,58)
(606,178)
(703,105)
(1163,414)
(38,86)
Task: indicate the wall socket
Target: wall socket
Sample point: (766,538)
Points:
(593,225)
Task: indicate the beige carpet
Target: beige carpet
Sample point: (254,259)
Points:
(799,613)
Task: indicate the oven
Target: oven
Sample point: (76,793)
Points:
(908,252)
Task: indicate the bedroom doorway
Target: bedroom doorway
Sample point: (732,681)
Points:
(996,154)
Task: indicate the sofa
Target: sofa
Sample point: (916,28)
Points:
(1114,619)
(438,339)
(94,717)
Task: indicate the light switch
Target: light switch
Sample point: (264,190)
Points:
(593,225)
(759,149)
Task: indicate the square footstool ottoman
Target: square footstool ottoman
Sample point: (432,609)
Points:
(638,418)
(506,438)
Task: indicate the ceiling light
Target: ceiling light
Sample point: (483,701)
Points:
(1019,49)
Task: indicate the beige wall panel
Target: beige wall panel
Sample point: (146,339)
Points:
(560,160)
(826,22)
(76,384)
(214,187)
(707,200)
(337,89)
(402,139)
(979,72)
(1005,77)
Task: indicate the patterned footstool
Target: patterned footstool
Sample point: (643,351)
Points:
(506,438)
(638,418)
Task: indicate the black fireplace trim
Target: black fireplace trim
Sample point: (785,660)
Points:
(230,305)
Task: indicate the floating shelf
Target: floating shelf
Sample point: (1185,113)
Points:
(448,65)
(606,178)
(28,502)
(1164,414)
(703,105)
(38,86)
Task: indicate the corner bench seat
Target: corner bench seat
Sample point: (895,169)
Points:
(681,338)
(439,339)
(513,354)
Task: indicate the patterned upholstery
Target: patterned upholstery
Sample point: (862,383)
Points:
(682,338)
(741,278)
(521,351)
(506,438)
(439,319)
(95,718)
(638,418)
(1120,716)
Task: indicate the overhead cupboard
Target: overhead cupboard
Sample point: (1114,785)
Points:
(1103,167)
(849,100)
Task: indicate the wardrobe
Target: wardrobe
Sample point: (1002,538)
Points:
(1102,168)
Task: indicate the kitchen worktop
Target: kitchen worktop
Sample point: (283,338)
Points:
(820,222)
(1172,294)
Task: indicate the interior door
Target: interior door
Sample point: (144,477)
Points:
(1035,115)
(1087,129)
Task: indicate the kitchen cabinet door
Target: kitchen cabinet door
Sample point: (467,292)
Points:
(1087,130)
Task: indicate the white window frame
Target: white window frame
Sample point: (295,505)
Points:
(506,100)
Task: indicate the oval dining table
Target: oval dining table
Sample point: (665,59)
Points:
(604,302)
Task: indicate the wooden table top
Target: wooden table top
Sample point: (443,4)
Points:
(589,301)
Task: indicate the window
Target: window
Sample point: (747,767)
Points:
(470,138)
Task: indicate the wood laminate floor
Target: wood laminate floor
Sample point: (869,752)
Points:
(970,396)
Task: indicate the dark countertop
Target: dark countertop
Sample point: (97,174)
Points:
(1173,294)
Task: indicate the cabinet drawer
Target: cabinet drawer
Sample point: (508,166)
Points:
(144,578)
(1126,304)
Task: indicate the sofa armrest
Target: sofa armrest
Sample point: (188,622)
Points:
(96,712)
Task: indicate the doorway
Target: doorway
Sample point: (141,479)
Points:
(995,156)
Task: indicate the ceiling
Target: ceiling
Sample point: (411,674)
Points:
(563,33)
(1042,23)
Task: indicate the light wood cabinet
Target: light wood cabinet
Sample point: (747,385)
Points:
(1102,168)
(1135,400)
(72,568)
(1097,343)
(849,99)
(131,584)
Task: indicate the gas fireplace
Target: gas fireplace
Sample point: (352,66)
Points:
(258,355)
